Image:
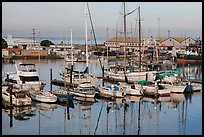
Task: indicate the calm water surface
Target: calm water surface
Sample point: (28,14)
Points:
(179,114)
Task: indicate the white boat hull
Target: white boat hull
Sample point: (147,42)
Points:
(111,93)
(43,96)
(132,76)
(137,90)
(162,92)
(175,88)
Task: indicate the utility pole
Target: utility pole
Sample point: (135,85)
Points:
(33,37)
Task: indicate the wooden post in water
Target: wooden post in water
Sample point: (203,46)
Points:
(11,118)
(71,74)
(11,104)
(68,115)
(10,91)
(72,59)
(103,75)
(51,79)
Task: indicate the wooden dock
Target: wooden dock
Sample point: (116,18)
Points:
(63,83)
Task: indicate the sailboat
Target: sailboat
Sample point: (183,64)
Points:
(86,86)
(121,73)
(77,76)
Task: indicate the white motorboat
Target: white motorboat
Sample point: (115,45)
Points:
(43,96)
(26,77)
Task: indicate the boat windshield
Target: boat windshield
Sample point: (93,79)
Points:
(30,78)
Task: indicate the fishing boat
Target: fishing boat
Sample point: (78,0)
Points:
(43,96)
(26,77)
(18,97)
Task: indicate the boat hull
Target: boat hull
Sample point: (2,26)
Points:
(16,101)
(40,97)
(175,88)
(104,92)
(132,76)
(135,90)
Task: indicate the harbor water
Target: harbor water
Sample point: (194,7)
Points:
(179,114)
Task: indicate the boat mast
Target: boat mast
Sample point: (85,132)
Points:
(39,47)
(124,14)
(139,40)
(72,49)
(124,39)
(86,34)
(107,45)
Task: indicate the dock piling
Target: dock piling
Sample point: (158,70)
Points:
(51,79)
(11,93)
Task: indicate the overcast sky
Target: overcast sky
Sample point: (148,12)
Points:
(55,19)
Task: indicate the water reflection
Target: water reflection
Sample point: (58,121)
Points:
(132,115)
(44,106)
(19,113)
(178,114)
